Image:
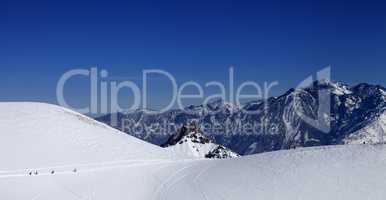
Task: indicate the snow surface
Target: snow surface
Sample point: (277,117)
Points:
(36,135)
(113,165)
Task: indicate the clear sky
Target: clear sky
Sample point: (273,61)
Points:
(194,40)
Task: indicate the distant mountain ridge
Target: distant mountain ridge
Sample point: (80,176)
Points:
(357,116)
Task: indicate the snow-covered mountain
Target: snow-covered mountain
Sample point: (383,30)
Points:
(356,111)
(76,158)
(190,141)
(373,133)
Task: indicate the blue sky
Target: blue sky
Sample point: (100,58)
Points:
(194,40)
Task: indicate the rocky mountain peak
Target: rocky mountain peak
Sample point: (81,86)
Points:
(193,142)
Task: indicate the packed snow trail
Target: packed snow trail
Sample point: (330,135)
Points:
(68,169)
(339,172)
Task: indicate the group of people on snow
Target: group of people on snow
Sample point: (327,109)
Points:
(35,172)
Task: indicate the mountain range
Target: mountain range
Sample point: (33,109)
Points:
(357,115)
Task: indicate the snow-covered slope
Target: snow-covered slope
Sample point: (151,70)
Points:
(112,165)
(351,172)
(191,142)
(34,135)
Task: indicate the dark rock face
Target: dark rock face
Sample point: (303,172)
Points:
(191,132)
(275,124)
(219,153)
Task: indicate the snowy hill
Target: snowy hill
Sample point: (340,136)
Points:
(190,141)
(34,135)
(112,165)
(350,172)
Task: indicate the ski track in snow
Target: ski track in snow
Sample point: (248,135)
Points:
(197,177)
(161,192)
(181,175)
(68,169)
